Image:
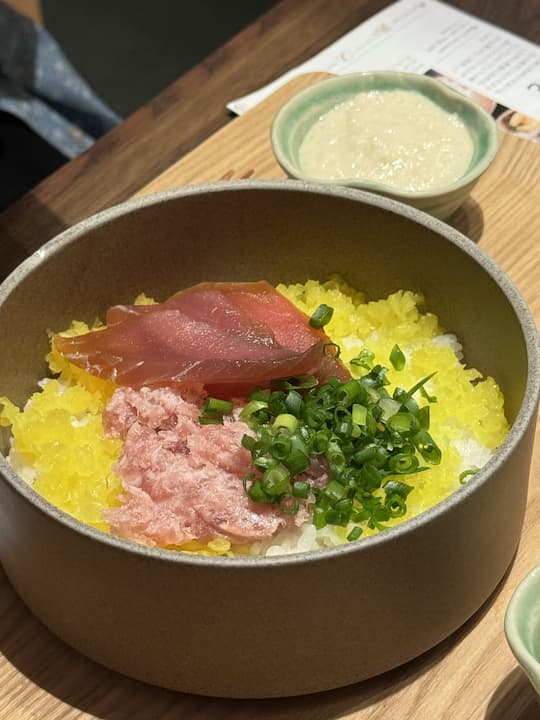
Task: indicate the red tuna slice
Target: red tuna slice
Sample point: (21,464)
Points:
(228,337)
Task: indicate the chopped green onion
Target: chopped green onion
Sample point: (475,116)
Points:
(427,447)
(334,453)
(301,489)
(334,490)
(350,392)
(321,316)
(319,442)
(335,517)
(395,487)
(215,406)
(364,359)
(402,463)
(294,402)
(281,446)
(298,461)
(403,422)
(389,408)
(420,384)
(252,408)
(366,454)
(359,414)
(424,417)
(427,396)
(285,421)
(371,477)
(396,505)
(467,473)
(249,442)
(257,494)
(213,410)
(331,349)
(364,434)
(397,358)
(208,420)
(344,505)
(276,480)
(319,518)
(355,533)
(294,383)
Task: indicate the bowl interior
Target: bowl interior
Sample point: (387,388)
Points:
(297,116)
(282,232)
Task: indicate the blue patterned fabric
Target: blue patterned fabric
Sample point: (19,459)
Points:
(40,87)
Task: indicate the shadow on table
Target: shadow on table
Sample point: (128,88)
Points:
(469,220)
(515,698)
(80,683)
(18,239)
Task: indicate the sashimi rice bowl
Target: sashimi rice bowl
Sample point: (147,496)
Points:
(262,438)
(243,418)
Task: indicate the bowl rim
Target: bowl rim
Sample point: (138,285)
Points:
(417,82)
(514,637)
(525,415)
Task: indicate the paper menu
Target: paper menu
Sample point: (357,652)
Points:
(500,70)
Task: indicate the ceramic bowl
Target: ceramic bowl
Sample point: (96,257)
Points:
(248,626)
(297,116)
(522,625)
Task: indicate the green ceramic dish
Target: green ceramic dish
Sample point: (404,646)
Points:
(295,118)
(522,625)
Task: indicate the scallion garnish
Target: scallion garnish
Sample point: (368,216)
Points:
(213,410)
(397,358)
(300,382)
(321,316)
(467,473)
(369,440)
(331,349)
(364,359)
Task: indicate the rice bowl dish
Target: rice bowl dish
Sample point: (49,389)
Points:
(250,626)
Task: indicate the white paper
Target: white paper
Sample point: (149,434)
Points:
(499,70)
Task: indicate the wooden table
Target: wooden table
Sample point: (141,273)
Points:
(471,675)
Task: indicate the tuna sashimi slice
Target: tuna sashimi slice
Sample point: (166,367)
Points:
(225,336)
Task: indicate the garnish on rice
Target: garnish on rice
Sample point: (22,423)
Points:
(363,437)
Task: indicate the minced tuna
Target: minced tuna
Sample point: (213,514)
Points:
(181,480)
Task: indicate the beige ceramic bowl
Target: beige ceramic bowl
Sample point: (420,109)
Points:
(255,627)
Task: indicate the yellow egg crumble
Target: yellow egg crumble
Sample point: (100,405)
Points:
(59,446)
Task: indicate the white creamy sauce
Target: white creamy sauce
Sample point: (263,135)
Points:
(396,137)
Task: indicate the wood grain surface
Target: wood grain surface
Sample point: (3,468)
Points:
(471,675)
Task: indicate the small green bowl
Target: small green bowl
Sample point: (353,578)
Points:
(522,625)
(296,117)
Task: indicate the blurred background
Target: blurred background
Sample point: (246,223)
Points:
(126,50)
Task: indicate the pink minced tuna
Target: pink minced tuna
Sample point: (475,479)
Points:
(182,480)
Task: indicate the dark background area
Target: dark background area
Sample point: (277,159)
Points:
(128,51)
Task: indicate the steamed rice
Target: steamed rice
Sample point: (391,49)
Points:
(58,443)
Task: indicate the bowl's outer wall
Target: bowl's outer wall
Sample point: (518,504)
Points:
(264,628)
